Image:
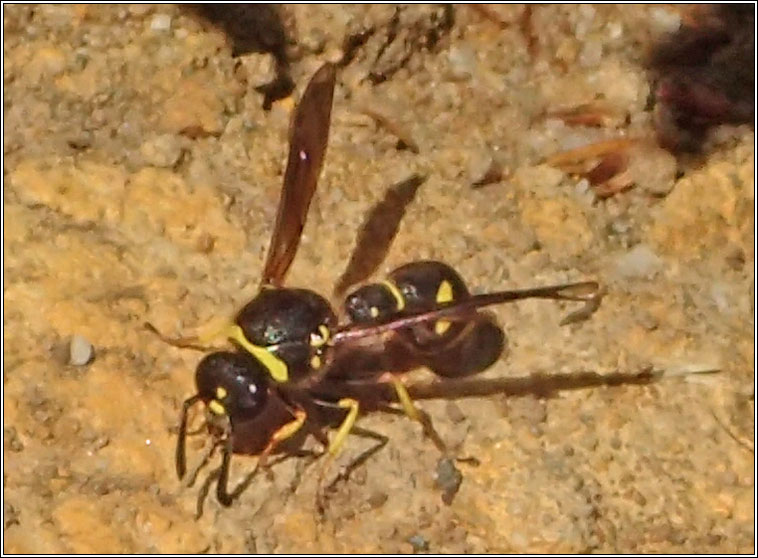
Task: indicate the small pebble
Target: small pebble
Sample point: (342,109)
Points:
(449,479)
(653,169)
(720,295)
(139,9)
(615,30)
(81,140)
(419,543)
(160,22)
(454,412)
(664,21)
(484,169)
(462,60)
(161,151)
(259,68)
(591,54)
(582,187)
(80,351)
(377,499)
(529,410)
(735,258)
(638,262)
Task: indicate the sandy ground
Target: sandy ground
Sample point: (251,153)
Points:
(141,179)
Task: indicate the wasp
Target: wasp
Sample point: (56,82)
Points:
(298,369)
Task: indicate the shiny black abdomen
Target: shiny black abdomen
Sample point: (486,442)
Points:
(456,347)
(420,284)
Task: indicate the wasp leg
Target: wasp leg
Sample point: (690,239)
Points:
(591,305)
(348,423)
(414,413)
(288,430)
(284,432)
(222,473)
(203,492)
(223,477)
(344,474)
(190,479)
(181,442)
(222,493)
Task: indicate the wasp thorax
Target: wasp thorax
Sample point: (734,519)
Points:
(232,384)
(293,325)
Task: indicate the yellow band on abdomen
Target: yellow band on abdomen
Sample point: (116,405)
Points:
(396,294)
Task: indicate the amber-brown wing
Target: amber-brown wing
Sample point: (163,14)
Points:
(309,136)
(588,292)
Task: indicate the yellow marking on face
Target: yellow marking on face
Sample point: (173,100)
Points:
(374,312)
(441,326)
(445,292)
(216,407)
(220,393)
(320,338)
(276,367)
(397,295)
(316,362)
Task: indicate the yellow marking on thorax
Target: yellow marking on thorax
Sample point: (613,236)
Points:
(374,312)
(441,326)
(216,407)
(444,294)
(316,362)
(319,339)
(220,393)
(276,367)
(324,332)
(398,296)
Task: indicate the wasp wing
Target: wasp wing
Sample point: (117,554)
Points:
(588,292)
(309,136)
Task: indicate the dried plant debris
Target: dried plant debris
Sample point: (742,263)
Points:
(705,75)
(393,126)
(393,45)
(596,114)
(603,164)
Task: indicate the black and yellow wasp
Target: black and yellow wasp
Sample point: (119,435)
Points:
(297,370)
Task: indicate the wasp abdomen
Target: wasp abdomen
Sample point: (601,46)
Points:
(414,287)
